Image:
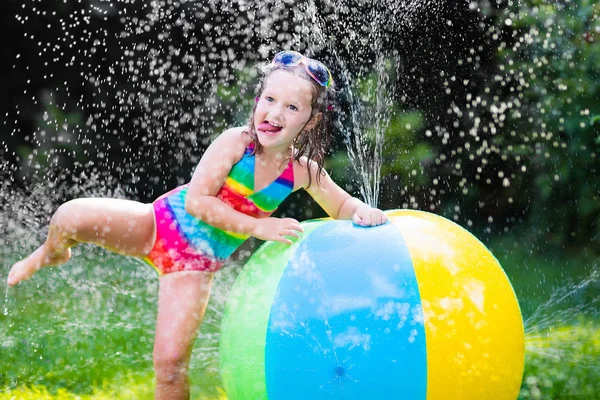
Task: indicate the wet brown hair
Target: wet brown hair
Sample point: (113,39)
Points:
(313,143)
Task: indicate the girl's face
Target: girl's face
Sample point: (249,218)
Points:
(283,110)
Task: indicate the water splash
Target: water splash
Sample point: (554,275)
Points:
(5,308)
(94,293)
(364,126)
(556,329)
(167,102)
(546,316)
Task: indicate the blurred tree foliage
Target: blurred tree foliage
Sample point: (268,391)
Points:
(493,123)
(552,90)
(518,147)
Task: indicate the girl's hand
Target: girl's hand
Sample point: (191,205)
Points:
(277,229)
(369,216)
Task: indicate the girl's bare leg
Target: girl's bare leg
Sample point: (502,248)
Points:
(182,301)
(123,226)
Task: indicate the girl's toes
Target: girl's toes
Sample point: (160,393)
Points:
(13,274)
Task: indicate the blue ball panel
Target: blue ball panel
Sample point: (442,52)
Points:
(346,321)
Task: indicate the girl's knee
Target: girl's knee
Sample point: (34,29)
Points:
(67,211)
(78,213)
(67,216)
(170,367)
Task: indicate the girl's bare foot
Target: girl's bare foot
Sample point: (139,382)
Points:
(23,269)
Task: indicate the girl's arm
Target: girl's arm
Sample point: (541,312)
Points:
(338,204)
(210,175)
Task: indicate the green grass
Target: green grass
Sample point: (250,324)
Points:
(563,364)
(559,295)
(86,330)
(133,388)
(124,390)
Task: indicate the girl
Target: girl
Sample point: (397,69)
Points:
(188,233)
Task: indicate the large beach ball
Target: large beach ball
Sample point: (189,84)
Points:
(416,308)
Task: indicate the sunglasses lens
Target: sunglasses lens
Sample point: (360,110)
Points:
(319,71)
(287,58)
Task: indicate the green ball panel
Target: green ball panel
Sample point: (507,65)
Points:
(246,316)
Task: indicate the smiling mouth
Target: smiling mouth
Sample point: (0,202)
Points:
(269,128)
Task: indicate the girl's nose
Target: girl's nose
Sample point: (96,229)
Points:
(276,111)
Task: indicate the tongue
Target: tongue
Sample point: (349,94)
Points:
(266,127)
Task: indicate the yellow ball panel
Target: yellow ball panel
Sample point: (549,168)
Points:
(473,324)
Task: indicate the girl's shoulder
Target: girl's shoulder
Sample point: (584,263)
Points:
(240,133)
(305,171)
(237,138)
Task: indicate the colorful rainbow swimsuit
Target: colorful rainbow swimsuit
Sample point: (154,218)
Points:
(185,243)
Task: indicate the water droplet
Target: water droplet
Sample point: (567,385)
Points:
(5,310)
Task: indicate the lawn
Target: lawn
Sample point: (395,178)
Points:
(86,330)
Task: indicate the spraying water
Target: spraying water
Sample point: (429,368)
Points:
(156,86)
(548,328)
(364,125)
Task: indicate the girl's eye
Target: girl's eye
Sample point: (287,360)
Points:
(293,107)
(269,99)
